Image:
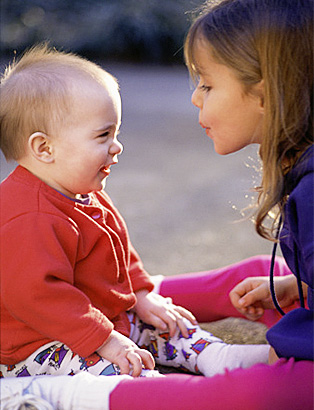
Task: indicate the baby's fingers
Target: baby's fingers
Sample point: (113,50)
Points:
(172,319)
(183,328)
(180,317)
(147,359)
(186,314)
(136,363)
(124,363)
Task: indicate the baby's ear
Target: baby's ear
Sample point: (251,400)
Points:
(40,147)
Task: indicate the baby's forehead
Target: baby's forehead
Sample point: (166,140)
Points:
(83,92)
(84,81)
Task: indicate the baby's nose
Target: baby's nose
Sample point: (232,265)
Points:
(116,148)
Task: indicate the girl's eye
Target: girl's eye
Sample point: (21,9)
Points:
(205,88)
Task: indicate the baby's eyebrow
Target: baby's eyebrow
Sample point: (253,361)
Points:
(106,127)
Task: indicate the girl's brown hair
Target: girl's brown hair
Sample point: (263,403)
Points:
(270,40)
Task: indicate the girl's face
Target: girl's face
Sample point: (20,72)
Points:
(230,117)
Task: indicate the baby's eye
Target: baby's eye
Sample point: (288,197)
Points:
(103,137)
(104,134)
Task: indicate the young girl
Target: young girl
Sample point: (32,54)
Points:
(241,102)
(253,61)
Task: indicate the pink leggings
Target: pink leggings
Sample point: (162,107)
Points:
(284,385)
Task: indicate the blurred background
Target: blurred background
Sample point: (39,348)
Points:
(121,30)
(182,202)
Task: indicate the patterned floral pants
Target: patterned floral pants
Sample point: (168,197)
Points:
(57,359)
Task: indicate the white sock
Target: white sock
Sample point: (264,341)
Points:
(80,392)
(14,395)
(217,357)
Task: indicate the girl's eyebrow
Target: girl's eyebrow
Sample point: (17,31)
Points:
(202,71)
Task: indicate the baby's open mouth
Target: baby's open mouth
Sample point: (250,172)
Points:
(105,170)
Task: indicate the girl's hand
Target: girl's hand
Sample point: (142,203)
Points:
(252,296)
(120,350)
(272,357)
(162,313)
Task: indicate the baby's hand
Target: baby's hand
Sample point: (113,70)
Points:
(120,350)
(160,312)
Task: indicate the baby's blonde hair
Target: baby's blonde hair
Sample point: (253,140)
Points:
(35,94)
(270,40)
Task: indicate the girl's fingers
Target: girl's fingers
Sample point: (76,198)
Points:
(253,296)
(235,298)
(253,312)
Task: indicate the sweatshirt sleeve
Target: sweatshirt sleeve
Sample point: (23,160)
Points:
(37,283)
(292,336)
(300,215)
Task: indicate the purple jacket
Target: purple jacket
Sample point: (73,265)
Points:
(292,336)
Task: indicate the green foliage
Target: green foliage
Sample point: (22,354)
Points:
(133,30)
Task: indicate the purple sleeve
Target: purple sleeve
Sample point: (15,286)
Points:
(292,336)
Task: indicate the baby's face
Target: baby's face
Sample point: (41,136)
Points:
(86,145)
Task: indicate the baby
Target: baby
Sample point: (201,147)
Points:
(74,294)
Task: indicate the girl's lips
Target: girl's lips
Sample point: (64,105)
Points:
(207,129)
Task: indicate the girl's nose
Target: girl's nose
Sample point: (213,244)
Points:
(196,98)
(116,148)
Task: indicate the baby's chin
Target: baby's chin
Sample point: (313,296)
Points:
(103,184)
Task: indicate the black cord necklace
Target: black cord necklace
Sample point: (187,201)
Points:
(271,273)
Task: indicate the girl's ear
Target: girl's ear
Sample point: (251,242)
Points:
(40,147)
(260,92)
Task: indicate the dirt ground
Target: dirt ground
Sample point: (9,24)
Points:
(182,202)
